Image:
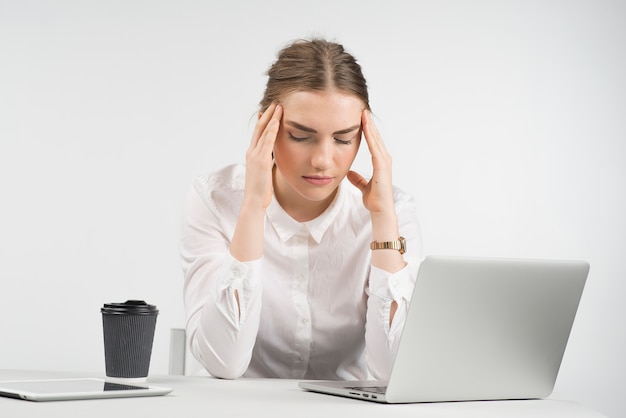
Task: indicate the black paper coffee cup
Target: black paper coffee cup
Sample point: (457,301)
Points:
(128,330)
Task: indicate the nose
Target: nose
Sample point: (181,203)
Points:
(322,156)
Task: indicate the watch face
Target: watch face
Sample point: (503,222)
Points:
(402,245)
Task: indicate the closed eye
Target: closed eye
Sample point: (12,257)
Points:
(343,141)
(297,138)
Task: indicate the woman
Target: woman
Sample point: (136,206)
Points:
(289,271)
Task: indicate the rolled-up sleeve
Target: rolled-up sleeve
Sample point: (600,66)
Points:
(221,331)
(381,338)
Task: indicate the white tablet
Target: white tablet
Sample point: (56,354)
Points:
(68,389)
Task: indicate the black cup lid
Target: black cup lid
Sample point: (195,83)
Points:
(130,307)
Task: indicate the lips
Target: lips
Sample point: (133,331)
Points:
(318,180)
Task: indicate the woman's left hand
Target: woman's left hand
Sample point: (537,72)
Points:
(378,199)
(378,192)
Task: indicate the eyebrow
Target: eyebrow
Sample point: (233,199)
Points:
(313,131)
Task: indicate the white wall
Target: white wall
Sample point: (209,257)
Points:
(505,119)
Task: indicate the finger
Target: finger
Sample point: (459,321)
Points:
(263,141)
(372,135)
(357,180)
(375,144)
(261,124)
(268,138)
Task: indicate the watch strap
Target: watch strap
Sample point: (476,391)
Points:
(399,245)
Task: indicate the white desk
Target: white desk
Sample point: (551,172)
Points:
(209,397)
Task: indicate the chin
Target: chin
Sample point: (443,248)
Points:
(319,194)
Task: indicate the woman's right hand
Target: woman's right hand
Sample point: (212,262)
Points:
(259,161)
(247,241)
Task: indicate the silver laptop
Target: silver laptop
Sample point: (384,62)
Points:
(479,329)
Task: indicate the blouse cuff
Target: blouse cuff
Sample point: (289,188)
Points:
(243,278)
(388,286)
(241,275)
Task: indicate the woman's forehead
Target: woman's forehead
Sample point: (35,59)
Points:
(326,108)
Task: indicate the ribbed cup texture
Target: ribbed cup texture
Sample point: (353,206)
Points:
(128,344)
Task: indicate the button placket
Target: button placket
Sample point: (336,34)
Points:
(303,332)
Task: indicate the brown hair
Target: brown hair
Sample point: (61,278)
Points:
(314,64)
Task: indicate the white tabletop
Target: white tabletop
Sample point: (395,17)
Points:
(206,396)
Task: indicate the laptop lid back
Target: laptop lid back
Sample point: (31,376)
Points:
(486,329)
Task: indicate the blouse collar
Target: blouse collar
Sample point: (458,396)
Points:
(286,227)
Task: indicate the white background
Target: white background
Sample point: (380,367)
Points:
(505,118)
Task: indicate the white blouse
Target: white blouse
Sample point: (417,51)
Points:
(312,307)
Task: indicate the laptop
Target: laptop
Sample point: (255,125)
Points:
(478,329)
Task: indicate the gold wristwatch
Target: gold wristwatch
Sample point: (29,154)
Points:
(399,244)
